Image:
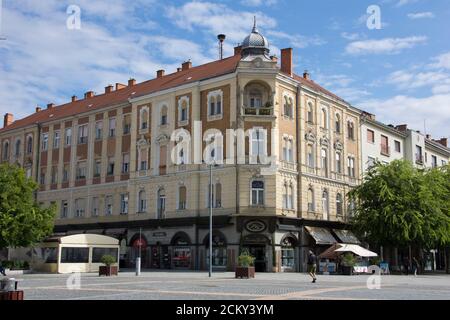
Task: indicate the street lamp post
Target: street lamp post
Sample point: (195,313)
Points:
(211,198)
(138,259)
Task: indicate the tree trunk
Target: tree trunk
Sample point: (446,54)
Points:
(447,260)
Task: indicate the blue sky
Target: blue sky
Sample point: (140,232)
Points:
(400,72)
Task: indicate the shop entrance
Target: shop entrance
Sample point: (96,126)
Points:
(160,257)
(259,252)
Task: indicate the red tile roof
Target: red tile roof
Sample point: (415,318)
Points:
(202,72)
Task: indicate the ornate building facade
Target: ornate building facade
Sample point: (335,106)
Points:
(106,162)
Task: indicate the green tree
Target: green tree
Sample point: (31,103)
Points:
(400,205)
(22,221)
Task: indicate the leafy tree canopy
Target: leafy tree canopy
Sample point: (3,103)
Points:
(22,221)
(398,204)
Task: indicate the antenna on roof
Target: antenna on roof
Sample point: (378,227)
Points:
(221,38)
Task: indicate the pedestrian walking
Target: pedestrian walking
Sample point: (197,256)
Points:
(415,265)
(312,265)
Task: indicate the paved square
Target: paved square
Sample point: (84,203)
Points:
(223,286)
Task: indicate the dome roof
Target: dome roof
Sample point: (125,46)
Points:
(255,43)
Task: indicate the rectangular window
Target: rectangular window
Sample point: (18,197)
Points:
(98,253)
(126,124)
(56,139)
(64,209)
(143,166)
(66,170)
(108,205)
(68,137)
(54,177)
(80,207)
(433,161)
(384,145)
(99,130)
(125,163)
(110,170)
(81,170)
(44,141)
(42,177)
(74,255)
(351,167)
(82,134)
(370,136)
(370,162)
(97,168)
(397,146)
(112,127)
(95,207)
(124,204)
(419,155)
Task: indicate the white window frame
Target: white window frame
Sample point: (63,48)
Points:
(258,199)
(183,122)
(217,115)
(44,146)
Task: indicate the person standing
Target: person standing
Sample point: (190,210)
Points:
(415,265)
(312,265)
(2,270)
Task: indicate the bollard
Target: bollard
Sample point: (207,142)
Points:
(138,266)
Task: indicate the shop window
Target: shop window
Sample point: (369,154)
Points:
(75,255)
(288,253)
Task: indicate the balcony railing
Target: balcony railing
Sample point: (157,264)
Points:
(266,111)
(292,166)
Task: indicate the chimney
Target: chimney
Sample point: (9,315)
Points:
(443,141)
(274,58)
(8,119)
(286,61)
(89,94)
(306,75)
(50,106)
(109,88)
(402,127)
(38,109)
(237,50)
(131,82)
(186,65)
(178,69)
(120,86)
(428,136)
(160,74)
(74,98)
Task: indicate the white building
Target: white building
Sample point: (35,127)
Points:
(386,143)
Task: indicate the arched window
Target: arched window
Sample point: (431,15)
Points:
(309,116)
(163,115)
(218,104)
(350,130)
(18,146)
(291,197)
(325,205)
(182,196)
(310,156)
(216,195)
(338,123)
(6,150)
(288,107)
(310,200)
(324,160)
(142,201)
(161,205)
(338,162)
(257,193)
(351,209)
(339,204)
(212,106)
(288,253)
(144,119)
(183,109)
(29,145)
(285,196)
(324,119)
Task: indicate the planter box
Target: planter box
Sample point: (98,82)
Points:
(108,271)
(245,272)
(348,271)
(11,295)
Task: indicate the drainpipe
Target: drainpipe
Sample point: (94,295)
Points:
(297,145)
(38,156)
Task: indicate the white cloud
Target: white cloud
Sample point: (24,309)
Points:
(434,109)
(442,61)
(421,15)
(384,46)
(296,40)
(215,18)
(401,3)
(257,3)
(350,36)
(409,80)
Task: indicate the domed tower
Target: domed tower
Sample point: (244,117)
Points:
(255,44)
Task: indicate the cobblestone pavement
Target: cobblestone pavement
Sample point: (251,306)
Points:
(223,286)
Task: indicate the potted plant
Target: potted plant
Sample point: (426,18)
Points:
(108,269)
(348,262)
(245,268)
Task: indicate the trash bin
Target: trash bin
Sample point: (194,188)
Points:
(8,290)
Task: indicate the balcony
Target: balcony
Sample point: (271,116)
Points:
(291,166)
(263,111)
(385,150)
